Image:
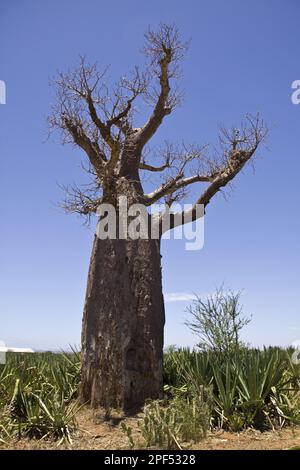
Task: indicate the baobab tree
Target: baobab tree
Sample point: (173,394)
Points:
(123,320)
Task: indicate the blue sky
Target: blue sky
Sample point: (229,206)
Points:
(243,58)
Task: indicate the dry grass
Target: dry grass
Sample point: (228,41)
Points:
(95,433)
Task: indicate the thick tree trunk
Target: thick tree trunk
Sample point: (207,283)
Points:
(122,335)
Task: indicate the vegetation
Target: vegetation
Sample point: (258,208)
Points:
(218,321)
(183,418)
(38,396)
(223,385)
(203,390)
(251,388)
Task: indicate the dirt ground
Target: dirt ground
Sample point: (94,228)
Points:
(95,433)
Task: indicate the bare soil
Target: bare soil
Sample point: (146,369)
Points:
(95,433)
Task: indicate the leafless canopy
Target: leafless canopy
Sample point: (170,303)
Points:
(101,123)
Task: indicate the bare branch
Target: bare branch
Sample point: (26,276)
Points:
(165,156)
(239,146)
(146,166)
(174,185)
(165,50)
(125,93)
(81,201)
(83,102)
(189,160)
(101,124)
(92,149)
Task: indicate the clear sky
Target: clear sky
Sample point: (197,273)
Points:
(243,57)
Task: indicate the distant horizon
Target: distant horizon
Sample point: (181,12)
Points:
(166,348)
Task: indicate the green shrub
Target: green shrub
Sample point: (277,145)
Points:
(185,418)
(217,321)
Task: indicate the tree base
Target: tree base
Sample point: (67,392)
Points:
(122,335)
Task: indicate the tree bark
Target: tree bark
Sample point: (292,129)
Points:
(123,321)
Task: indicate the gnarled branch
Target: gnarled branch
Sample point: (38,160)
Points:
(165,51)
(186,165)
(101,124)
(238,145)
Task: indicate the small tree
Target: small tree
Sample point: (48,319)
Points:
(218,320)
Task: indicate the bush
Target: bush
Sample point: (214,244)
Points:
(185,418)
(218,321)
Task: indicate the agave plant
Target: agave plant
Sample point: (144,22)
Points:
(37,396)
(250,387)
